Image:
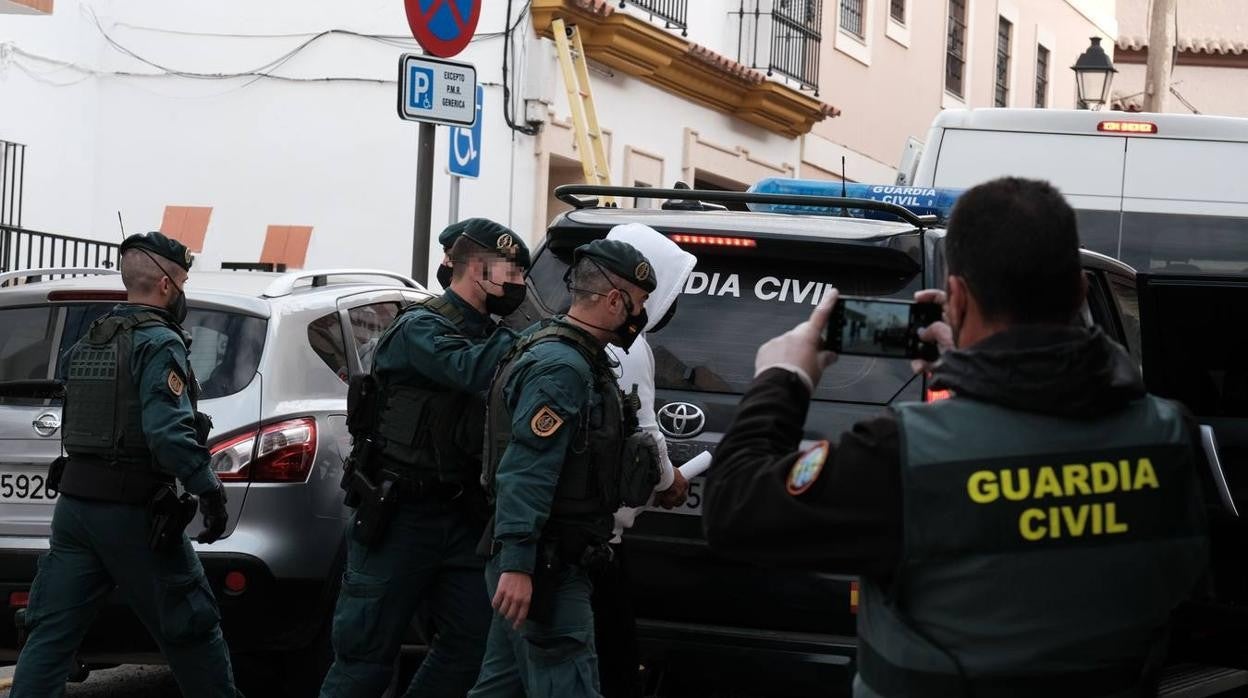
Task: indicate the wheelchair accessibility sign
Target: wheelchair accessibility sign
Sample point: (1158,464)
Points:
(465,145)
(437,91)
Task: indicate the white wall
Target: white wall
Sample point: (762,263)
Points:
(332,155)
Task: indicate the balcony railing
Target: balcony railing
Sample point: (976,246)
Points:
(674,13)
(12,174)
(790,45)
(22,249)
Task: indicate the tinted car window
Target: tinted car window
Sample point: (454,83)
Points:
(26,343)
(225,347)
(325,337)
(1168,242)
(368,322)
(1129,310)
(225,350)
(733,303)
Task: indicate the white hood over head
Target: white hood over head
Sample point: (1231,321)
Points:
(671,264)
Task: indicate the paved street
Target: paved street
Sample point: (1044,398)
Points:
(132,681)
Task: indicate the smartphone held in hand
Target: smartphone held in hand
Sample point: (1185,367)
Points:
(884,328)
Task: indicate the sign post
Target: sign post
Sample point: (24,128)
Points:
(435,91)
(464,155)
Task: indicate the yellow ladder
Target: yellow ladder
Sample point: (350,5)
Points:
(589,140)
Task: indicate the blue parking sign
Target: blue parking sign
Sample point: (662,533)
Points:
(465,145)
(419,87)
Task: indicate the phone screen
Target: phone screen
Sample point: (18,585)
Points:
(870,327)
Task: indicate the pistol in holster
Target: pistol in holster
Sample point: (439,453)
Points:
(378,502)
(169,515)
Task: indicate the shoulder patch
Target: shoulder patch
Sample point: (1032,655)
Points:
(545,422)
(176,384)
(806,468)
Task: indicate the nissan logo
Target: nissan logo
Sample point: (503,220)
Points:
(681,419)
(46,424)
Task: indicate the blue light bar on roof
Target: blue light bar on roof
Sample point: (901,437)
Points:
(921,201)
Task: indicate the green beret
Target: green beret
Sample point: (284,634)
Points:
(621,259)
(450,235)
(158,244)
(495,237)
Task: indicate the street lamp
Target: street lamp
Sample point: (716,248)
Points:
(1093,74)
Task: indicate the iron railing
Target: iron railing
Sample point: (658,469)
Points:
(30,249)
(12,176)
(791,45)
(795,39)
(674,13)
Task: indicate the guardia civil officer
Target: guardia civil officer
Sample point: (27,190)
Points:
(416,476)
(562,454)
(1029,536)
(130,430)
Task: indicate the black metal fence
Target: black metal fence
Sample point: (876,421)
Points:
(22,249)
(12,176)
(674,13)
(795,39)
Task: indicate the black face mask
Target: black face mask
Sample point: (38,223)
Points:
(443,275)
(506,304)
(667,317)
(633,325)
(177,309)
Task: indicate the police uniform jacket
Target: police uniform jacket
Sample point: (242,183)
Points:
(861,506)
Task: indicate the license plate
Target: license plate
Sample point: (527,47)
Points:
(27,486)
(692,505)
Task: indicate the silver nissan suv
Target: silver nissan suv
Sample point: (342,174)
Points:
(273,353)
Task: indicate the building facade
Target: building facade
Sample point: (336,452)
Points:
(1211,67)
(269,131)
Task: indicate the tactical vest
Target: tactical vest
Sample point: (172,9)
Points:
(588,491)
(103,435)
(431,432)
(1042,556)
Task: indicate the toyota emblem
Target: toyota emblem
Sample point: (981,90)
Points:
(681,419)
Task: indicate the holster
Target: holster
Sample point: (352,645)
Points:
(360,461)
(55,471)
(378,502)
(546,572)
(169,515)
(203,427)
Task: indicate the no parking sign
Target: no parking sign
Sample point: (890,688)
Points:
(443,27)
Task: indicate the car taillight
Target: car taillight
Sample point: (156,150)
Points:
(1126,127)
(936,395)
(281,452)
(682,239)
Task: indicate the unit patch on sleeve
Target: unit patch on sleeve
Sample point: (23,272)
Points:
(806,468)
(176,385)
(545,422)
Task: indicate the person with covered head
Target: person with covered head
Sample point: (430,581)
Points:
(1029,536)
(414,476)
(131,429)
(563,452)
(615,625)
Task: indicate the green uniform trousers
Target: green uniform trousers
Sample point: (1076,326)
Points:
(99,546)
(427,556)
(543,660)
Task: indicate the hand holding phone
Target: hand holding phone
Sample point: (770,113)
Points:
(883,328)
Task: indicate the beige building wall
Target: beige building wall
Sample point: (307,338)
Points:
(1211,74)
(891,84)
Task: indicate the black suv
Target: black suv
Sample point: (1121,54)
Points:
(758,274)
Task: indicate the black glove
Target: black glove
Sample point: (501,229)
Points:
(212,506)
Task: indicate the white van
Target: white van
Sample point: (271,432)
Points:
(1162,192)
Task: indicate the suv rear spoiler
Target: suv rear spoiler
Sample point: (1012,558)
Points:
(9,276)
(571,194)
